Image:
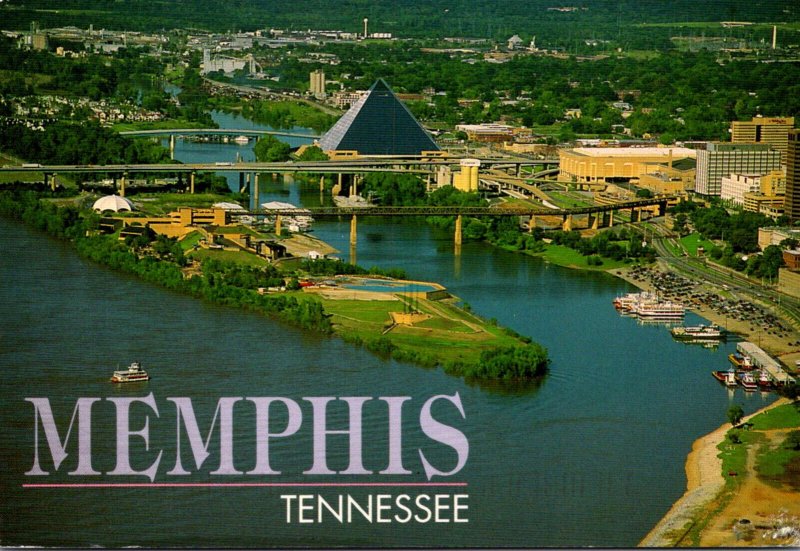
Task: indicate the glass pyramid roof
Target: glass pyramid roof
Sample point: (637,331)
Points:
(378,124)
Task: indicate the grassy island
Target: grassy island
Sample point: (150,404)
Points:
(425,328)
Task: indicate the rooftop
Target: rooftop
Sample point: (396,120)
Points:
(634,151)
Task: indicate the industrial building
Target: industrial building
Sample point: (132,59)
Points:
(719,159)
(378,124)
(792,202)
(769,130)
(608,164)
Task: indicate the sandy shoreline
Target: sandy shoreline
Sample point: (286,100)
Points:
(704,478)
(704,482)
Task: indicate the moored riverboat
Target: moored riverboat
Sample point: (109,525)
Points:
(698,333)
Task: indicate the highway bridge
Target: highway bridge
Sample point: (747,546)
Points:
(215,131)
(336,166)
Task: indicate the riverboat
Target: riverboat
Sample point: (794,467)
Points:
(659,310)
(626,303)
(728,378)
(747,380)
(134,374)
(698,332)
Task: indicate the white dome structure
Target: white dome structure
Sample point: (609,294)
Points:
(112,202)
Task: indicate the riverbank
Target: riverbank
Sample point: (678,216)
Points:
(780,347)
(705,483)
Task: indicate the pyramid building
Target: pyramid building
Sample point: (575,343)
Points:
(378,124)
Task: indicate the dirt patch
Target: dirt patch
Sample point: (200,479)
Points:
(757,501)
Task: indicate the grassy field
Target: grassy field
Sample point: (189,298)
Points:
(450,333)
(570,258)
(692,241)
(159,204)
(231,256)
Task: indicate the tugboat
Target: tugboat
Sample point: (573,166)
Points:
(741,362)
(728,378)
(134,374)
(764,381)
(748,381)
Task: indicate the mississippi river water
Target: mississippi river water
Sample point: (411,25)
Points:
(594,456)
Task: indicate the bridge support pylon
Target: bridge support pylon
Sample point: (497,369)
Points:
(241,182)
(567,225)
(278,225)
(458,236)
(636,214)
(595,221)
(532,223)
(610,219)
(122,184)
(191,182)
(255,191)
(353,231)
(172,146)
(321,184)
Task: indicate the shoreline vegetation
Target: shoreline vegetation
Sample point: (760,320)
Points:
(447,336)
(736,473)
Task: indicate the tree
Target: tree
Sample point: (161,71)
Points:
(735,414)
(270,149)
(793,440)
(313,153)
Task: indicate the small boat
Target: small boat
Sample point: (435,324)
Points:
(242,140)
(698,332)
(134,374)
(748,381)
(728,378)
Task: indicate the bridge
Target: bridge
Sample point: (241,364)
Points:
(602,213)
(215,131)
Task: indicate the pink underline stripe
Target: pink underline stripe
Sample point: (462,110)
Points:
(248,485)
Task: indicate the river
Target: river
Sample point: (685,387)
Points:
(594,456)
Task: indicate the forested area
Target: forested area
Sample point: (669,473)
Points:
(77,144)
(616,20)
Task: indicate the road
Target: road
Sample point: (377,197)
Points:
(705,272)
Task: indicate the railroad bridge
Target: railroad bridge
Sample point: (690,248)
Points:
(598,215)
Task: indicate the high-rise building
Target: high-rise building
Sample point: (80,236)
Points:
(317,83)
(771,130)
(792,201)
(720,159)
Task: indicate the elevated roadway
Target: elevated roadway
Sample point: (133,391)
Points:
(348,166)
(215,131)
